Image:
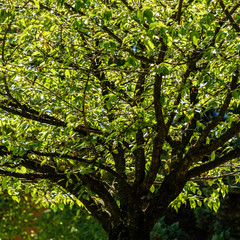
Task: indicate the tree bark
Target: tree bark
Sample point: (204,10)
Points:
(120,231)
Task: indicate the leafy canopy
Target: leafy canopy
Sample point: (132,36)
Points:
(119,105)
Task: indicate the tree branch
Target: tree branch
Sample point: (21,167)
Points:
(34,165)
(33,176)
(161,127)
(29,113)
(131,9)
(197,171)
(140,159)
(222,111)
(114,36)
(234,8)
(229,16)
(99,188)
(201,150)
(179,11)
(102,216)
(139,152)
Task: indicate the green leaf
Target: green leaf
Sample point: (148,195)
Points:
(54,207)
(61,206)
(16,198)
(132,61)
(79,203)
(212,155)
(140,15)
(148,14)
(167,39)
(106,45)
(37,3)
(67,73)
(108,104)
(27,189)
(163,68)
(193,203)
(78,5)
(114,98)
(60,2)
(107,15)
(208,2)
(149,44)
(235,94)
(15,150)
(113,45)
(4,183)
(153,25)
(195,38)
(152,189)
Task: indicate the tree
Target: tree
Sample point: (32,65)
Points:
(104,103)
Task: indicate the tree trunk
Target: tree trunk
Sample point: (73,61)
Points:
(120,231)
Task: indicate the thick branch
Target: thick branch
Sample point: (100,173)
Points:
(29,113)
(27,162)
(158,106)
(96,185)
(103,193)
(102,216)
(36,165)
(198,151)
(161,127)
(169,190)
(155,163)
(139,152)
(197,171)
(234,8)
(33,176)
(191,66)
(140,159)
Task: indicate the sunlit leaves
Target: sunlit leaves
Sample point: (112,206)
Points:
(4,182)
(107,14)
(163,68)
(195,38)
(148,14)
(80,76)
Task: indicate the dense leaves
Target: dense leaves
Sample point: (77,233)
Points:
(122,106)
